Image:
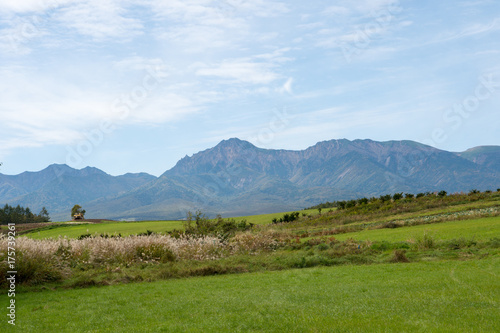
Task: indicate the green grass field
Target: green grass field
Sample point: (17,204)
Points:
(124,228)
(130,228)
(437,285)
(445,296)
(477,229)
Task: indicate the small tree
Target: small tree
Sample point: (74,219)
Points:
(77,209)
(43,216)
(397,196)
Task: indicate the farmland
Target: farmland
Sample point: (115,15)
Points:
(427,264)
(448,296)
(131,228)
(123,228)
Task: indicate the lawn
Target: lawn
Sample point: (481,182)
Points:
(478,229)
(445,296)
(124,228)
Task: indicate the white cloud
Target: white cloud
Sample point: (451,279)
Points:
(30,6)
(336,10)
(240,71)
(37,110)
(261,69)
(100,20)
(138,63)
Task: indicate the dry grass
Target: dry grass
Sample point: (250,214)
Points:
(38,261)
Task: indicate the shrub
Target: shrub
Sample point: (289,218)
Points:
(399,256)
(385,198)
(322,247)
(442,194)
(456,244)
(363,201)
(494,243)
(426,242)
(199,225)
(397,196)
(341,205)
(147,233)
(88,235)
(155,252)
(287,218)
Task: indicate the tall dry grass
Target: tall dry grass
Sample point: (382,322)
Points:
(38,261)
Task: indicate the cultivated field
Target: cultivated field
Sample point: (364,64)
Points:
(111,228)
(417,265)
(444,296)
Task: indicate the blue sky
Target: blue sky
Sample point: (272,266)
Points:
(135,85)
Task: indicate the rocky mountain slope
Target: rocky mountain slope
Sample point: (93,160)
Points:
(237,178)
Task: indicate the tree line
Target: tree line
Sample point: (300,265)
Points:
(9,214)
(388,198)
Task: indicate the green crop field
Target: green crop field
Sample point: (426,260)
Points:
(123,228)
(426,264)
(446,296)
(130,228)
(484,228)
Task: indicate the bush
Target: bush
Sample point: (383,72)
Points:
(397,196)
(426,242)
(287,218)
(399,256)
(456,244)
(363,201)
(200,225)
(442,194)
(155,252)
(494,243)
(385,198)
(147,233)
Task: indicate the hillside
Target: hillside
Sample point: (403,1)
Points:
(59,187)
(488,156)
(238,178)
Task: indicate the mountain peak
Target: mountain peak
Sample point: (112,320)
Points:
(235,143)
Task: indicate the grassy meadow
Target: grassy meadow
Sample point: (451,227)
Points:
(448,296)
(133,228)
(427,264)
(476,229)
(111,228)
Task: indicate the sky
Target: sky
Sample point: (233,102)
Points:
(135,85)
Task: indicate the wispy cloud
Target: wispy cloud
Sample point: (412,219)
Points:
(100,20)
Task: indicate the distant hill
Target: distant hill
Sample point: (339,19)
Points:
(238,178)
(488,156)
(59,187)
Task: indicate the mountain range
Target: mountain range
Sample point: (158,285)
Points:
(237,178)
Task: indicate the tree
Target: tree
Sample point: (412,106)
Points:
(397,196)
(43,216)
(442,194)
(77,209)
